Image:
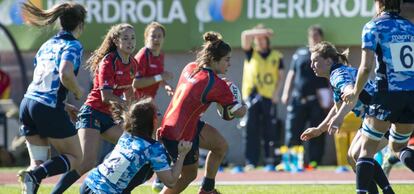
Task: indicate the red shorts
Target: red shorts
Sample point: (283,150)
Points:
(411,141)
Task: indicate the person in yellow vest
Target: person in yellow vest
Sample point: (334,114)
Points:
(343,140)
(308,99)
(262,72)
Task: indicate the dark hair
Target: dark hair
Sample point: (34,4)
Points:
(108,45)
(151,26)
(213,49)
(137,118)
(69,14)
(390,5)
(316,28)
(327,50)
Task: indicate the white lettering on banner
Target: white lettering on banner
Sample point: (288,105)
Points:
(277,9)
(296,5)
(128,11)
(249,11)
(280,9)
(353,11)
(331,5)
(133,11)
(93,11)
(364,9)
(309,13)
(107,6)
(145,11)
(263,9)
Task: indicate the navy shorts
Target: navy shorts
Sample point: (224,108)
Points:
(84,189)
(45,121)
(93,119)
(192,156)
(396,107)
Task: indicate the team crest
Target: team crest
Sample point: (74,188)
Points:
(97,123)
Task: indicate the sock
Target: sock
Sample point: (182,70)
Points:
(364,174)
(381,179)
(158,180)
(393,160)
(372,188)
(144,174)
(407,158)
(66,181)
(54,166)
(208,184)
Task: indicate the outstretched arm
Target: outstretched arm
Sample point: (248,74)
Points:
(247,36)
(322,127)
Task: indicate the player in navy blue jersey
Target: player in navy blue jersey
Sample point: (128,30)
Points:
(389,38)
(112,66)
(135,153)
(327,62)
(45,117)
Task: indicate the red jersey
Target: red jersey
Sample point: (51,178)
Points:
(111,74)
(191,99)
(148,65)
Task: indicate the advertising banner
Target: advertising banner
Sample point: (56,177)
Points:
(187,20)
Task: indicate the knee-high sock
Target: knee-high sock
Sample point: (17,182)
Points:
(65,182)
(381,179)
(364,174)
(407,158)
(54,166)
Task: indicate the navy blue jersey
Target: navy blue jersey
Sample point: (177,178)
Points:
(342,76)
(391,37)
(46,86)
(129,155)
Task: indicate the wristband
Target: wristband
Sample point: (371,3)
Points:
(158,78)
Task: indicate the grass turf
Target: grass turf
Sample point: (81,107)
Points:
(239,189)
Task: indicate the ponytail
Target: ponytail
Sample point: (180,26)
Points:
(70,15)
(213,49)
(326,50)
(343,57)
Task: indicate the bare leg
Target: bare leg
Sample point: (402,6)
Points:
(89,140)
(188,174)
(212,140)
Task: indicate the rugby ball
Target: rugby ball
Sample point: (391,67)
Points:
(226,112)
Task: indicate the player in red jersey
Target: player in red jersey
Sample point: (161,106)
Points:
(150,72)
(112,67)
(150,75)
(197,87)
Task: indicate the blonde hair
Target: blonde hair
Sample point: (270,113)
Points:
(151,26)
(69,14)
(108,45)
(327,50)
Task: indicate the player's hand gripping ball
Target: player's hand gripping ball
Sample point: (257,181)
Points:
(227,112)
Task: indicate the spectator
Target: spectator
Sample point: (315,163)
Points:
(309,99)
(262,72)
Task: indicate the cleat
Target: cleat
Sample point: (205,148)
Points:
(269,168)
(341,169)
(157,186)
(28,183)
(237,170)
(249,167)
(386,167)
(214,191)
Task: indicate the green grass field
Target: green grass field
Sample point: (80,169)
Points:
(242,189)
